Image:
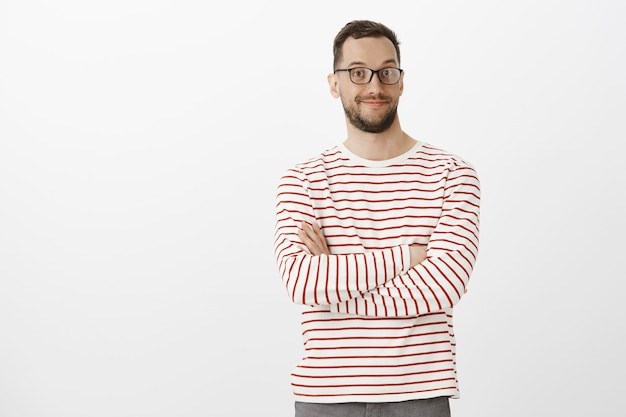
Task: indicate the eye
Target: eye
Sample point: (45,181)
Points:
(358,72)
(389,75)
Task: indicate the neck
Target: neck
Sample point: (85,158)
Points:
(378,146)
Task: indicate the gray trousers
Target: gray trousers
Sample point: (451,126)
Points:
(430,407)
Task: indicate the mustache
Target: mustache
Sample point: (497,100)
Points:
(381,97)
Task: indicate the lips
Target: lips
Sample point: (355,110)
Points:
(374,103)
(372,100)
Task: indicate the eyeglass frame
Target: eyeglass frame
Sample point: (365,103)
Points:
(377,72)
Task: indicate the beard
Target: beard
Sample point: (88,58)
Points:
(356,118)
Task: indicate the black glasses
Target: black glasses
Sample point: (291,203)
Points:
(363,75)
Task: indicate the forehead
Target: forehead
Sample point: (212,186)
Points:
(368,51)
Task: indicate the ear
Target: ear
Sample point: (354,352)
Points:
(401,82)
(333,85)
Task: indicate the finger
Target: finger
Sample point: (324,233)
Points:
(317,230)
(318,235)
(309,239)
(308,232)
(313,238)
(321,238)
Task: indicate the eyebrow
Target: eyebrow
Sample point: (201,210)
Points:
(362,64)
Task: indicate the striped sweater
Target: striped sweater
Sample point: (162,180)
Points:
(375,329)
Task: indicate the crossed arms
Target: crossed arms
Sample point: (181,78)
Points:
(314,240)
(398,281)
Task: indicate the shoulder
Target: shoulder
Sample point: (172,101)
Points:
(317,163)
(328,156)
(449,159)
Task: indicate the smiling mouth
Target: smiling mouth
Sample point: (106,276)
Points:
(375,104)
(372,100)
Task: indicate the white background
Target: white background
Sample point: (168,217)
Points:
(140,146)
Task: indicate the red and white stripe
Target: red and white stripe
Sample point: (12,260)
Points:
(374,329)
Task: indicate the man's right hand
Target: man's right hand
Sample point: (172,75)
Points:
(313,238)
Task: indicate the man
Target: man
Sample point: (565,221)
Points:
(376,238)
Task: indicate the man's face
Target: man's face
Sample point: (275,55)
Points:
(369,107)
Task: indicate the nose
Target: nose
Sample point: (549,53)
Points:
(374,86)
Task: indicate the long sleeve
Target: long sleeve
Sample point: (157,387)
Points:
(440,281)
(325,279)
(374,327)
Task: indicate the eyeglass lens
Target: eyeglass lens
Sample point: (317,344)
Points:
(362,75)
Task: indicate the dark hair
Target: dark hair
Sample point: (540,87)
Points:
(362,29)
